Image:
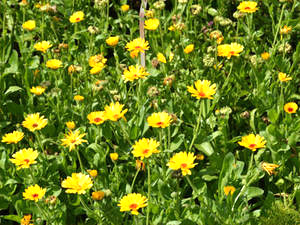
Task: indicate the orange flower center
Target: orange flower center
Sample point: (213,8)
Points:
(116,116)
(77,19)
(290,109)
(146,151)
(183,165)
(159,123)
(231,52)
(247,7)
(137,47)
(252,145)
(201,94)
(35,195)
(73,141)
(34,125)
(97,119)
(26,160)
(133,206)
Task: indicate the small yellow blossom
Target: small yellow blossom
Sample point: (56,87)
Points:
(253,142)
(29,25)
(98,195)
(151,24)
(145,147)
(114,156)
(42,46)
(112,41)
(136,46)
(13,137)
(125,8)
(265,55)
(160,119)
(247,7)
(161,58)
(290,107)
(203,89)
(54,64)
(114,111)
(188,49)
(78,183)
(226,50)
(93,173)
(72,139)
(76,17)
(71,125)
(97,117)
(132,202)
(183,161)
(34,193)
(34,122)
(229,190)
(38,90)
(134,72)
(285,29)
(283,77)
(24,158)
(78,98)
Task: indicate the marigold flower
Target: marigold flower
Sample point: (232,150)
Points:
(229,190)
(247,6)
(112,41)
(226,50)
(136,46)
(114,156)
(161,58)
(134,72)
(145,147)
(290,107)
(34,122)
(26,220)
(78,98)
(24,158)
(98,195)
(114,111)
(283,77)
(38,90)
(183,161)
(269,167)
(160,119)
(29,25)
(97,60)
(97,117)
(253,142)
(72,139)
(203,89)
(265,55)
(97,69)
(93,173)
(132,202)
(13,137)
(188,49)
(71,125)
(42,46)
(151,24)
(285,29)
(78,183)
(125,8)
(54,64)
(34,193)
(77,17)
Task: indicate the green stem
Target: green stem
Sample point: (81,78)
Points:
(43,213)
(149,193)
(196,129)
(80,162)
(88,209)
(278,27)
(32,176)
(132,184)
(169,137)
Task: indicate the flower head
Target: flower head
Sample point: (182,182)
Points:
(283,77)
(132,202)
(114,156)
(247,6)
(97,117)
(114,111)
(98,195)
(145,147)
(34,122)
(253,142)
(285,29)
(125,8)
(38,90)
(269,167)
(78,98)
(42,46)
(13,137)
(183,161)
(76,17)
(136,46)
(29,25)
(97,60)
(93,173)
(290,107)
(229,190)
(203,89)
(78,183)
(151,24)
(160,119)
(34,193)
(24,158)
(72,139)
(265,55)
(226,50)
(112,41)
(161,58)
(134,72)
(188,49)
(26,220)
(54,64)
(71,125)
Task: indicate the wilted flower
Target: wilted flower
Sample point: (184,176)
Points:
(78,183)
(151,24)
(26,220)
(13,137)
(34,193)
(283,77)
(253,142)
(100,4)
(34,122)
(159,4)
(200,157)
(149,13)
(188,49)
(247,6)
(72,139)
(238,14)
(24,158)
(132,202)
(269,167)
(76,17)
(195,9)
(160,119)
(290,107)
(285,47)
(229,190)
(208,60)
(29,25)
(93,30)
(183,161)
(169,80)
(139,165)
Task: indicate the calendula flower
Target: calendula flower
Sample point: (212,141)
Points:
(114,156)
(134,72)
(269,167)
(93,173)
(78,183)
(125,8)
(97,69)
(97,117)
(98,195)
(247,7)
(265,55)
(13,137)
(38,90)
(26,220)
(24,158)
(203,89)
(97,60)
(139,165)
(136,46)
(29,25)
(132,202)
(54,64)
(71,125)
(34,193)
(285,29)
(229,190)
(42,46)
(160,119)
(183,161)
(34,122)
(78,98)
(290,107)
(188,49)
(151,24)
(283,77)
(112,41)
(76,17)
(226,50)
(114,111)
(72,139)
(161,58)
(145,147)
(253,142)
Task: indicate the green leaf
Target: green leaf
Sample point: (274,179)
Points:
(34,62)
(177,142)
(252,120)
(13,89)
(14,218)
(252,192)
(174,222)
(227,167)
(273,115)
(206,148)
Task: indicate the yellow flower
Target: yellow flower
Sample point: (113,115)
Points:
(134,72)
(200,157)
(265,55)
(78,98)
(97,69)
(229,190)
(13,137)
(160,119)
(97,60)
(283,77)
(253,142)
(188,49)
(149,13)
(114,156)
(161,58)
(54,64)
(112,41)
(78,183)
(145,147)
(139,164)
(183,161)
(97,117)
(114,111)
(93,173)
(132,202)
(125,8)
(29,25)
(226,50)
(42,46)
(98,195)
(203,89)
(72,139)
(24,158)
(290,107)
(269,167)
(38,90)
(171,56)
(34,193)
(77,17)
(151,24)
(136,46)
(285,29)
(26,220)
(247,7)
(34,122)
(71,125)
